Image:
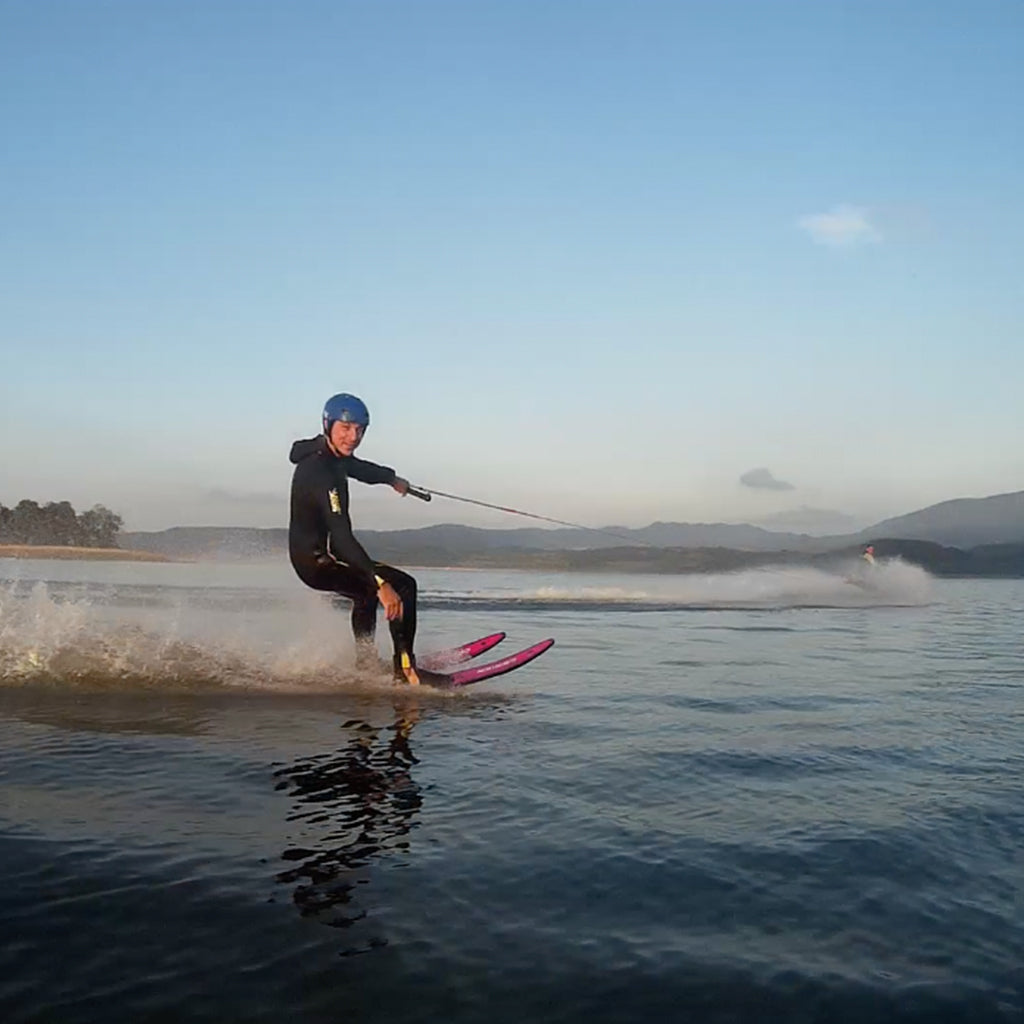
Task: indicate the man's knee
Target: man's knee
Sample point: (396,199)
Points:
(405,585)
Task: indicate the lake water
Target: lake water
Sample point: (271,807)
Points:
(768,796)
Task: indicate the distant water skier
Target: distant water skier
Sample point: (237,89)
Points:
(323,549)
(862,575)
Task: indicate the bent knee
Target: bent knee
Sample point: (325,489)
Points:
(406,586)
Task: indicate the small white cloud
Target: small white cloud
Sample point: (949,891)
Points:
(840,227)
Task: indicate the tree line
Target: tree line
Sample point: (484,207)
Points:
(58,523)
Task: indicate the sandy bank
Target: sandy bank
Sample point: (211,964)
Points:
(82,554)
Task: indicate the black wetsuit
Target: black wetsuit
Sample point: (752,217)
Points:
(324,551)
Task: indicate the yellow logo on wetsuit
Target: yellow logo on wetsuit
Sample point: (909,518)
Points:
(335,500)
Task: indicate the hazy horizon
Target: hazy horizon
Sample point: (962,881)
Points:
(797,521)
(609,263)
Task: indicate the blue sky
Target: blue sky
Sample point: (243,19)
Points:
(597,260)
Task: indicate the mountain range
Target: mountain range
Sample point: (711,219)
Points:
(960,525)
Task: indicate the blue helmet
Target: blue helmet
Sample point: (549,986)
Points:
(346,408)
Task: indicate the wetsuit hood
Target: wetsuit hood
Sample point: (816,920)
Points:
(307,447)
(359,469)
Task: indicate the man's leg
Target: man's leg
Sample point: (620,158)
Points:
(403,630)
(364,629)
(351,585)
(345,581)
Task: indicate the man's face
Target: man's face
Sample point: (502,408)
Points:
(345,437)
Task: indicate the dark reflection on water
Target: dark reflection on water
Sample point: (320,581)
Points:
(117,713)
(352,806)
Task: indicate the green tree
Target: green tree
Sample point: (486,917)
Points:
(58,524)
(26,523)
(99,527)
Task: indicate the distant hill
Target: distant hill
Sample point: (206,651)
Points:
(965,526)
(230,542)
(217,542)
(965,522)
(991,560)
(818,522)
(659,535)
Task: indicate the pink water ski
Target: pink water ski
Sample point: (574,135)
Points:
(439,661)
(478,673)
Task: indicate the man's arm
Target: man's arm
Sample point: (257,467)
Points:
(364,471)
(368,472)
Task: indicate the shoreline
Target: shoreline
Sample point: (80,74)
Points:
(58,552)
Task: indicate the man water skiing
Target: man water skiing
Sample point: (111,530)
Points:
(323,550)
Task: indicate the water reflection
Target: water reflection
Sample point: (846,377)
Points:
(113,713)
(352,806)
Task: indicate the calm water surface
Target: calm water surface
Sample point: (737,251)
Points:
(774,795)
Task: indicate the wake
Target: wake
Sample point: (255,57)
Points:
(892,583)
(147,638)
(50,641)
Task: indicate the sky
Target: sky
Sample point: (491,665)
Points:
(609,261)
